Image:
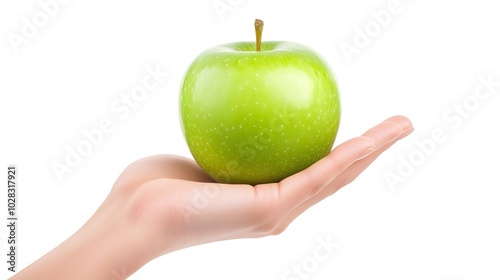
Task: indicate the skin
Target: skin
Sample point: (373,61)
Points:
(150,210)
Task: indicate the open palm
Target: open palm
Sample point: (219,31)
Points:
(182,206)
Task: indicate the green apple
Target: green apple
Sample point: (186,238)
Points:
(258,114)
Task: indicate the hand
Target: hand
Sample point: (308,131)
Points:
(164,203)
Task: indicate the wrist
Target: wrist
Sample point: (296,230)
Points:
(111,245)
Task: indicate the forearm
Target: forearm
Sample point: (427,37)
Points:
(102,249)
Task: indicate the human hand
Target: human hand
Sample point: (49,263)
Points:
(172,197)
(165,203)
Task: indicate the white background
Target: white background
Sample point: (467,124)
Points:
(442,222)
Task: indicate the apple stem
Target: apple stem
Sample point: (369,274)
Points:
(259,25)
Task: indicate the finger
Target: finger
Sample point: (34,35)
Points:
(299,187)
(359,166)
(343,179)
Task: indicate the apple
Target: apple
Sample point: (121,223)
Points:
(257,112)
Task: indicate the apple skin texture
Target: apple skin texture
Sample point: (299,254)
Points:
(258,117)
